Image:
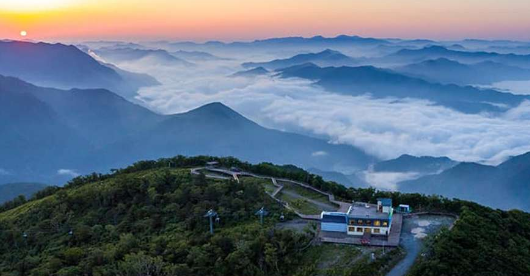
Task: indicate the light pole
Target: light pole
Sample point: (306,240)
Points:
(261,213)
(210,214)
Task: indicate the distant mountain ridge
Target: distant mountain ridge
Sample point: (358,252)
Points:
(217,129)
(65,67)
(325,58)
(434,52)
(156,57)
(196,55)
(452,72)
(10,191)
(254,72)
(48,130)
(380,83)
(504,186)
(343,40)
(409,163)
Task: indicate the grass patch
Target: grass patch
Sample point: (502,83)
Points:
(306,192)
(301,205)
(328,258)
(340,259)
(266,183)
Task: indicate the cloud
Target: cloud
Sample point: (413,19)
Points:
(514,87)
(319,153)
(387,180)
(68,172)
(385,128)
(4,172)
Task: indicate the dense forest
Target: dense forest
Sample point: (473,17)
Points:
(148,219)
(146,223)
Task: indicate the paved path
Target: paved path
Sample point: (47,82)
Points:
(278,187)
(322,205)
(342,206)
(196,171)
(412,243)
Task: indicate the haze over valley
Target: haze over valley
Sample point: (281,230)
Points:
(349,102)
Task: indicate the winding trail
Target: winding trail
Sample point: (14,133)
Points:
(414,229)
(404,236)
(340,206)
(322,205)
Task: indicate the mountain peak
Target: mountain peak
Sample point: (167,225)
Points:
(215,109)
(331,53)
(435,48)
(443,60)
(252,72)
(300,66)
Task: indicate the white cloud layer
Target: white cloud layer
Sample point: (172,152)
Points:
(387,180)
(319,153)
(385,128)
(67,172)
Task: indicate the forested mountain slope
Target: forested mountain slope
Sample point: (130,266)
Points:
(151,216)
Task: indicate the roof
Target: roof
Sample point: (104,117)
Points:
(333,213)
(360,211)
(385,201)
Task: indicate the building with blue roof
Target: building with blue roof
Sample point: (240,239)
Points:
(360,218)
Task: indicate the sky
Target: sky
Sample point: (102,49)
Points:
(230,20)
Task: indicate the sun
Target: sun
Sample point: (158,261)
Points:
(23,33)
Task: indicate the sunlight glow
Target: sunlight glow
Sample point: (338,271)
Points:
(34,5)
(23,33)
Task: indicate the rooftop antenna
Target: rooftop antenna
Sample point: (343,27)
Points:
(211,214)
(261,213)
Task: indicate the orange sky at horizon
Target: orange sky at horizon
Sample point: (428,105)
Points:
(230,20)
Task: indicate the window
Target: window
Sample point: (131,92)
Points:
(377,223)
(368,222)
(351,229)
(333,219)
(352,222)
(360,222)
(377,231)
(367,230)
(359,229)
(385,223)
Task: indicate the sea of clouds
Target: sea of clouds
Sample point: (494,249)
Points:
(385,128)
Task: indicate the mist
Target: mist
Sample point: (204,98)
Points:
(385,128)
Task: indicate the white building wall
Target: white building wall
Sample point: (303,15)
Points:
(382,230)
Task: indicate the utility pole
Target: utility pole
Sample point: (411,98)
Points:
(25,236)
(211,214)
(261,213)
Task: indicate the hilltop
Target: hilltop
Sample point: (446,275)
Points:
(149,218)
